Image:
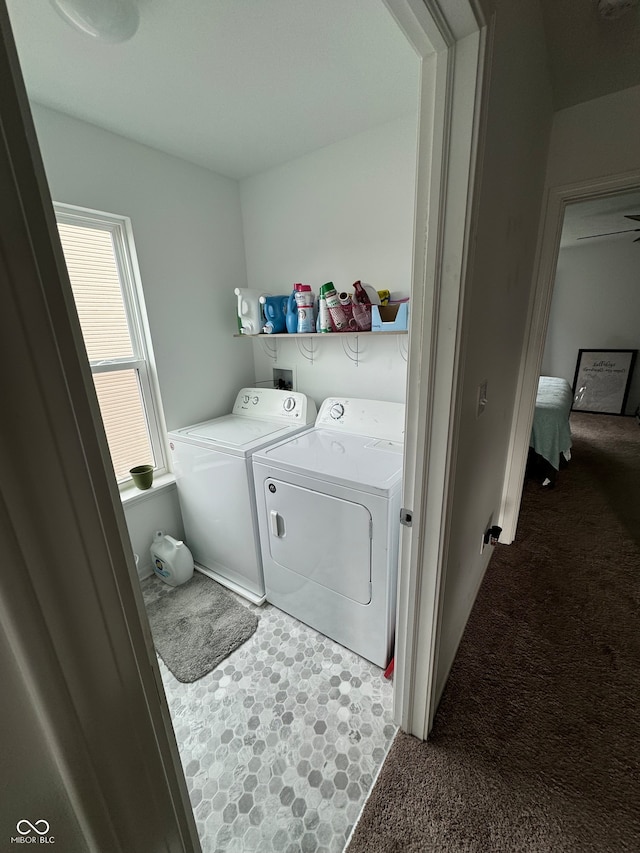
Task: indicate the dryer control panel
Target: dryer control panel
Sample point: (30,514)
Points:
(375,418)
(274,405)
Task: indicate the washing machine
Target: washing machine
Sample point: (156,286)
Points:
(328,504)
(212,464)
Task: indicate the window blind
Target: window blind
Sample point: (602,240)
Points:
(97,288)
(95,282)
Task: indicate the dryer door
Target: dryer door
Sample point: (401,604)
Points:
(320,537)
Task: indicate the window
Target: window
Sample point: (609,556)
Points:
(100,257)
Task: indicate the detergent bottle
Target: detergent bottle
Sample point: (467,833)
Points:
(171,559)
(360,294)
(249,310)
(304,300)
(275,311)
(291,319)
(361,307)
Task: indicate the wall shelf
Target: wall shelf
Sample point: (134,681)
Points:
(321,335)
(306,342)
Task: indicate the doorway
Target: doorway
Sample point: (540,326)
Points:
(592,198)
(110,538)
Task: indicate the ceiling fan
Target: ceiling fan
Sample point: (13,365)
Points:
(635,217)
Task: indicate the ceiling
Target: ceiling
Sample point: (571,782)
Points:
(589,56)
(238,86)
(601,216)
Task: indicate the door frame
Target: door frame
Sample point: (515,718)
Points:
(118,760)
(454,44)
(556,200)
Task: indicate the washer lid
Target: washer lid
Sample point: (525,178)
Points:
(234,432)
(354,461)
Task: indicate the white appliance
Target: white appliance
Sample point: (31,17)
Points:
(328,505)
(212,464)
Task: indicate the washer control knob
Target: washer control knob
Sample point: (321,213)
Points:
(289,404)
(336,411)
(245,398)
(255,401)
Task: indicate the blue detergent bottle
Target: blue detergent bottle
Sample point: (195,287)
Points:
(275,314)
(292,314)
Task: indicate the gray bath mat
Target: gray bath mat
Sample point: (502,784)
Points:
(197,625)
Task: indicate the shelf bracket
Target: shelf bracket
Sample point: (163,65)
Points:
(307,348)
(403,346)
(270,348)
(352,352)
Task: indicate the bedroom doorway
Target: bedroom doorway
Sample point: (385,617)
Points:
(578,218)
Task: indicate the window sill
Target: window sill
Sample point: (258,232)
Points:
(130,495)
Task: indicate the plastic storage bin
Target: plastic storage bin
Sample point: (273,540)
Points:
(390,318)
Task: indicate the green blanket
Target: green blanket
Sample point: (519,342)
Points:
(551,433)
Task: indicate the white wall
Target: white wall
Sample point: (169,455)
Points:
(596,139)
(342,213)
(188,234)
(596,305)
(150,512)
(512,180)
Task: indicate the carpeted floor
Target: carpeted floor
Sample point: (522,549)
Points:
(536,744)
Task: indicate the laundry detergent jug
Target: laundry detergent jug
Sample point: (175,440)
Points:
(249,310)
(275,311)
(292,314)
(171,559)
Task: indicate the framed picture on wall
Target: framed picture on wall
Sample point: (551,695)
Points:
(602,379)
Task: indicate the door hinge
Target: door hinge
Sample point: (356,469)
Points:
(406,517)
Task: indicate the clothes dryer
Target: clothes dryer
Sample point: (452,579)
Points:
(328,503)
(212,464)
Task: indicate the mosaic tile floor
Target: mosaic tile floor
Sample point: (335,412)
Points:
(281,743)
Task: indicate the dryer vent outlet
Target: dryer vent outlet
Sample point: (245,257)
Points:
(283,379)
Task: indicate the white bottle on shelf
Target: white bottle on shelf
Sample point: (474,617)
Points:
(250,310)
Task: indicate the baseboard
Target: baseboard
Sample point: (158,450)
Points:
(253,597)
(144,572)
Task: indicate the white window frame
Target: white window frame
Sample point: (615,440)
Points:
(142,360)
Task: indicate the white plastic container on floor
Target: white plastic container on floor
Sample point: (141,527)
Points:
(171,559)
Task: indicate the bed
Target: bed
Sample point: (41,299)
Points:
(550,443)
